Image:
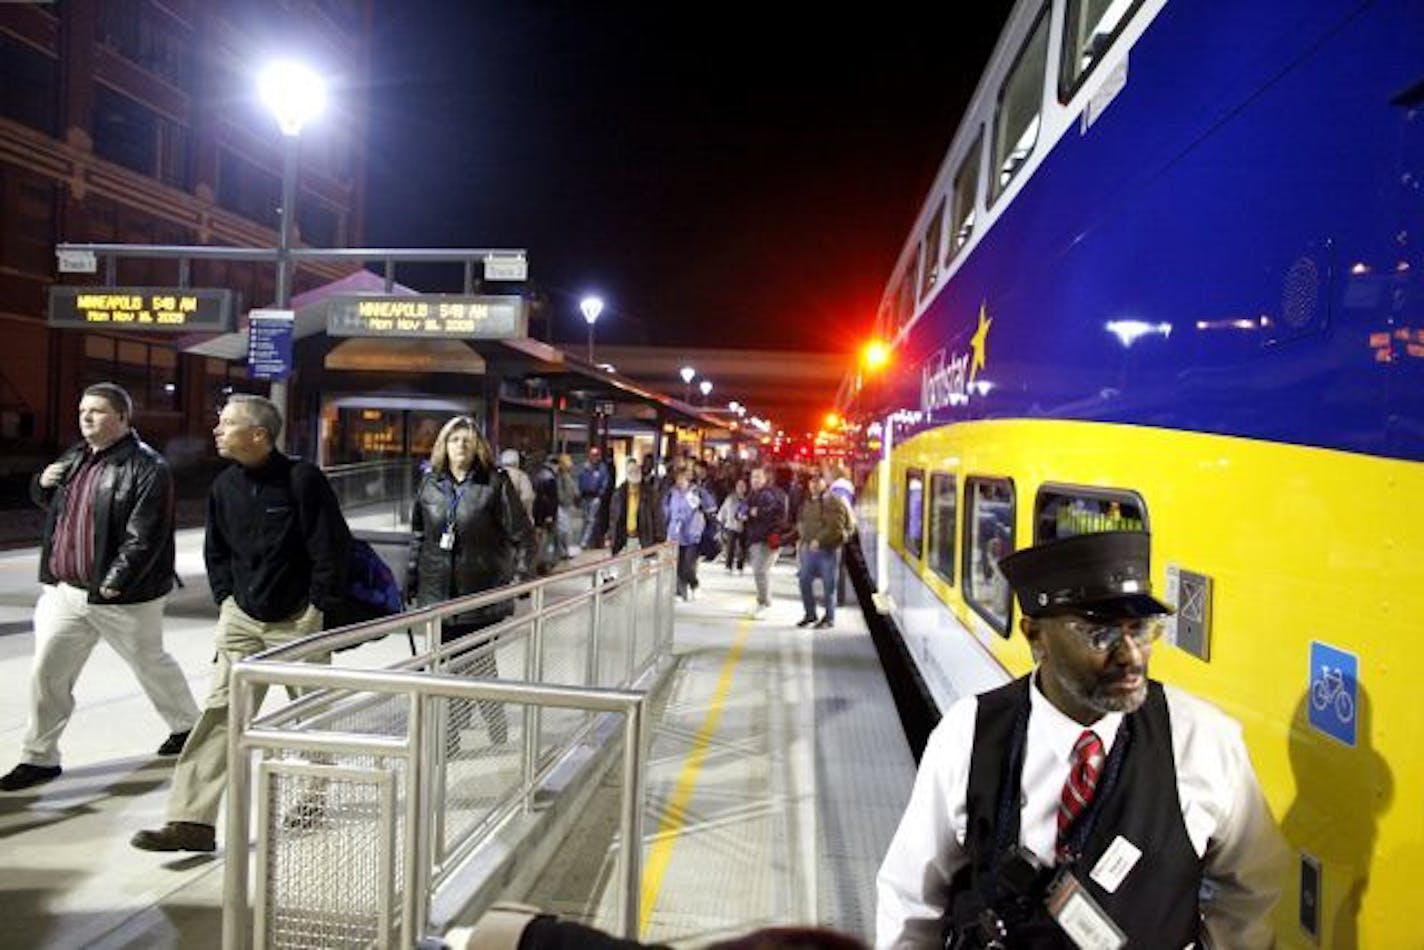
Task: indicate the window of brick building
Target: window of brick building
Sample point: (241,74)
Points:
(29,85)
(27,225)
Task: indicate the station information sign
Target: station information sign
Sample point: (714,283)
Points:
(485,317)
(141,308)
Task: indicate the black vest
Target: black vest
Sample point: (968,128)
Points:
(1156,904)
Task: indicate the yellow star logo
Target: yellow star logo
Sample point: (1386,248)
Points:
(979,342)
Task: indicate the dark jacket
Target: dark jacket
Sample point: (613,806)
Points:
(766,512)
(824,518)
(133,520)
(276,539)
(546,493)
(651,528)
(493,542)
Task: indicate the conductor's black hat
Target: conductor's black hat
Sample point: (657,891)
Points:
(1105,574)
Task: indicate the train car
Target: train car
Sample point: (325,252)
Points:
(1167,278)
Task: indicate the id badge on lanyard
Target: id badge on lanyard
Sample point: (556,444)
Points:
(447,537)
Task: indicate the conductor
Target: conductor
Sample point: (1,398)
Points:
(1083,804)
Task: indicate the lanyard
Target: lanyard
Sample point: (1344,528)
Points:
(457,491)
(1006,828)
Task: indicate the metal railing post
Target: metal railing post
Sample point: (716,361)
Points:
(631,821)
(239,796)
(634,585)
(417,830)
(533,715)
(595,649)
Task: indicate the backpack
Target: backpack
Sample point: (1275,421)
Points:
(371,585)
(371,592)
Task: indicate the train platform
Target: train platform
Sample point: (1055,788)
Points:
(776,776)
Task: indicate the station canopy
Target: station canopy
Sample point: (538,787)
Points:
(515,358)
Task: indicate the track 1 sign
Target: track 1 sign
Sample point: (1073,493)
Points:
(141,308)
(486,317)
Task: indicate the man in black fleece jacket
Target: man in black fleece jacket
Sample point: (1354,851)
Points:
(276,549)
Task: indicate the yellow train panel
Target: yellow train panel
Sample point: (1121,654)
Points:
(1303,546)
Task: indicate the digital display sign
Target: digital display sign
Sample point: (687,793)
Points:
(487,317)
(141,308)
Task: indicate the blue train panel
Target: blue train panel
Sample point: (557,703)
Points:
(1233,247)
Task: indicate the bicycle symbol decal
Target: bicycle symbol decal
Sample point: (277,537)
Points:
(1330,690)
(1333,683)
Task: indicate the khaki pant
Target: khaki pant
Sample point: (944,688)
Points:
(200,778)
(67,627)
(762,557)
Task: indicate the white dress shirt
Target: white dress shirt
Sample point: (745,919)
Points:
(1226,818)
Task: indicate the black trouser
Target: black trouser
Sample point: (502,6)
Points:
(687,557)
(736,549)
(482,666)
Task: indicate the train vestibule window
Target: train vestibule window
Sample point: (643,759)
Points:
(1062,511)
(914,523)
(943,515)
(988,538)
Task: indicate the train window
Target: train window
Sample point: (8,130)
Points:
(966,190)
(929,273)
(1020,108)
(914,533)
(1089,28)
(988,537)
(1061,511)
(905,306)
(943,508)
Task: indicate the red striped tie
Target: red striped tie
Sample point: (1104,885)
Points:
(1083,774)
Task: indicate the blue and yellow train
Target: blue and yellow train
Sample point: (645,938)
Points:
(1168,278)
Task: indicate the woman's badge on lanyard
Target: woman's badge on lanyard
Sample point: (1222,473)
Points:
(447,540)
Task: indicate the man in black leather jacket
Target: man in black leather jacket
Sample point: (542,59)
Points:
(106,564)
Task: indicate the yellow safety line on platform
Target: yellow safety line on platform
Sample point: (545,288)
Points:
(675,817)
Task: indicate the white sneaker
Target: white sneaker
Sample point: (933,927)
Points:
(757,612)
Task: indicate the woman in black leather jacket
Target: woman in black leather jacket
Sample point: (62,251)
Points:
(469,533)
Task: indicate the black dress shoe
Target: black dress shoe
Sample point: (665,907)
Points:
(805,621)
(177,836)
(825,623)
(26,775)
(174,743)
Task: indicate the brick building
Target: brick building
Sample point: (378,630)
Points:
(136,121)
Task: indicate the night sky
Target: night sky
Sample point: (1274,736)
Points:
(723,175)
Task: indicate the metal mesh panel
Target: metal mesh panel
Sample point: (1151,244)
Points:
(565,662)
(645,616)
(483,739)
(614,636)
(331,880)
(366,714)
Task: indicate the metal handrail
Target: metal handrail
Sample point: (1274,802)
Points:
(335,690)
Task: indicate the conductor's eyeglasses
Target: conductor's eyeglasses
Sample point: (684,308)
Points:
(1105,637)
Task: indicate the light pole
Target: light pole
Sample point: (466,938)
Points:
(706,387)
(295,95)
(687,373)
(591,306)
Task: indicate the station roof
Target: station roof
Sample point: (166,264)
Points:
(522,358)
